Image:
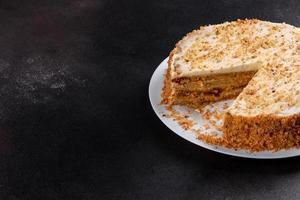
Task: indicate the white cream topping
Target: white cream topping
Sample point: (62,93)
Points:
(231,61)
(273,90)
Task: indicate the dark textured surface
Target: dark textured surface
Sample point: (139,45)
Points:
(75,119)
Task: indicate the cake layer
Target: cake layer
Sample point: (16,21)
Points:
(208,83)
(197,99)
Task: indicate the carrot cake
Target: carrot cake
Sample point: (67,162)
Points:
(259,62)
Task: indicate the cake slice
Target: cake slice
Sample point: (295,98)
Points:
(217,61)
(266,115)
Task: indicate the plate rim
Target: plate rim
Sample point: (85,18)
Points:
(183,134)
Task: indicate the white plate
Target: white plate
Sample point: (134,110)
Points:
(155,87)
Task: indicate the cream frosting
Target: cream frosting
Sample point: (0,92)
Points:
(231,47)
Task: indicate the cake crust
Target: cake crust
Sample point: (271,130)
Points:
(167,88)
(264,132)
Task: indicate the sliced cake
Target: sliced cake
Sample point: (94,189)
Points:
(257,61)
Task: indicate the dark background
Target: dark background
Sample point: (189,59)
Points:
(75,119)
